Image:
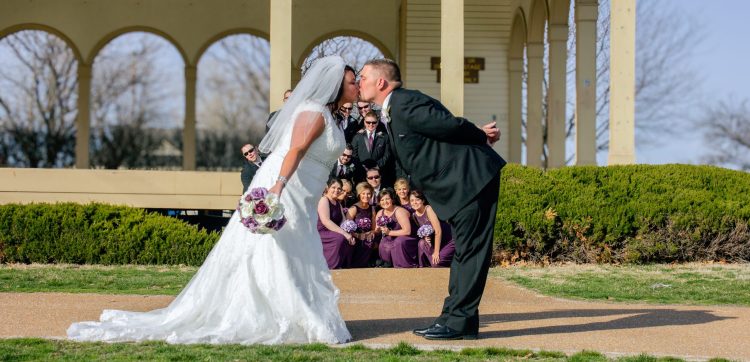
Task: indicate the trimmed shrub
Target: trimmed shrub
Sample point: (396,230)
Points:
(636,214)
(98,234)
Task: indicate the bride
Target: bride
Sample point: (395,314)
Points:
(263,288)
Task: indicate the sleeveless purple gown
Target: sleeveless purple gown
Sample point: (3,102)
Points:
(447,246)
(336,249)
(401,251)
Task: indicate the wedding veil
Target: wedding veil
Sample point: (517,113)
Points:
(318,87)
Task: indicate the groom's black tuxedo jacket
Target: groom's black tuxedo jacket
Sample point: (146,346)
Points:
(446,157)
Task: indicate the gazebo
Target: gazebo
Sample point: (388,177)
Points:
(470,54)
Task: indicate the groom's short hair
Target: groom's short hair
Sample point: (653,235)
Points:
(388,69)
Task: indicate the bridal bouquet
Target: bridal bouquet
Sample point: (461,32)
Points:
(425,231)
(261,212)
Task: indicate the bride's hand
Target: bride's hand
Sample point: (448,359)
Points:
(276,189)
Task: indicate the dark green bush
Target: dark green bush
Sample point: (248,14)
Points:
(98,234)
(637,213)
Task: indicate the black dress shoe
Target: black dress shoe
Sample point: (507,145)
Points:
(422,331)
(447,333)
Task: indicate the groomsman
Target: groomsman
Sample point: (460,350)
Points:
(347,167)
(451,161)
(371,144)
(250,166)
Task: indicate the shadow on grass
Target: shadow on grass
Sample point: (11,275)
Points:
(631,318)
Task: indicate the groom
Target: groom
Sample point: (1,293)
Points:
(451,161)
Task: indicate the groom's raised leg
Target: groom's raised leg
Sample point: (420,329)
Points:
(473,230)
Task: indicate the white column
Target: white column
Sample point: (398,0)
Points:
(188,130)
(281,51)
(452,55)
(586,15)
(622,81)
(515,105)
(83,125)
(556,119)
(534,144)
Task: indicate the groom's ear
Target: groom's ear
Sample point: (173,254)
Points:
(382,84)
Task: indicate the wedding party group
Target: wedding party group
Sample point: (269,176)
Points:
(267,280)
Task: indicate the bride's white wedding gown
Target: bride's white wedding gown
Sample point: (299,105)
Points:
(253,288)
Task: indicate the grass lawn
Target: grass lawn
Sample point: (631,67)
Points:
(41,349)
(700,284)
(727,284)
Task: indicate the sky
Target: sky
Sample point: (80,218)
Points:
(721,62)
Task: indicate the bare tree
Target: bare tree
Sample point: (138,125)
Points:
(38,95)
(664,83)
(355,51)
(130,107)
(727,133)
(233,104)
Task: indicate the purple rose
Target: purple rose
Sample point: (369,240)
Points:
(272,224)
(349,226)
(258,193)
(280,223)
(364,224)
(261,208)
(425,231)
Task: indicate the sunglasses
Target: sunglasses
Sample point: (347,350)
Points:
(248,152)
(348,109)
(376,122)
(363,107)
(345,155)
(373,177)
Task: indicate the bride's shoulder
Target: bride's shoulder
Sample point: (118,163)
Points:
(310,106)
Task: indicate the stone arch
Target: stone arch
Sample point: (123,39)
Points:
(537,21)
(41,27)
(237,31)
(131,29)
(518,35)
(344,32)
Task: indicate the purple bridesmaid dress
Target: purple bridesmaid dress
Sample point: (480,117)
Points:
(336,249)
(401,251)
(447,246)
(363,250)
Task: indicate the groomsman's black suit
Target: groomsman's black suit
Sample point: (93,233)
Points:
(448,158)
(352,171)
(351,128)
(248,172)
(380,153)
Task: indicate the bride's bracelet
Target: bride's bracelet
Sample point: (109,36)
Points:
(283,180)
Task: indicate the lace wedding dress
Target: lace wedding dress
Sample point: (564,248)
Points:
(253,288)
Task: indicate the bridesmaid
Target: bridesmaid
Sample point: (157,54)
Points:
(338,245)
(397,247)
(435,250)
(366,240)
(402,190)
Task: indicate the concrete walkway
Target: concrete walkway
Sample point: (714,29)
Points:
(382,306)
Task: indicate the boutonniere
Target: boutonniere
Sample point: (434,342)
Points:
(379,134)
(387,114)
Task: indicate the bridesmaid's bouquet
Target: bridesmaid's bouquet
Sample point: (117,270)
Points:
(364,224)
(384,221)
(425,231)
(261,212)
(349,226)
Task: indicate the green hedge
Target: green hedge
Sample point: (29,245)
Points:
(633,214)
(98,234)
(638,213)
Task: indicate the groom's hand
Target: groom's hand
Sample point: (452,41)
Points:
(492,132)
